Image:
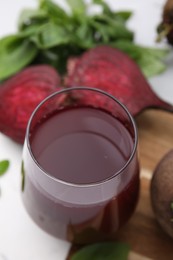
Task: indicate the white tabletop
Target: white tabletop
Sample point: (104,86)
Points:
(20,238)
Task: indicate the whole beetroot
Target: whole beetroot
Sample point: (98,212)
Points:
(162,193)
(165,28)
(113,71)
(20,95)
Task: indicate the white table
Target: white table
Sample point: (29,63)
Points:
(20,238)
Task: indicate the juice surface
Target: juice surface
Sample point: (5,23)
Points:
(81,145)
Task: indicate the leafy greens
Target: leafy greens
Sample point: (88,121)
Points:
(50,34)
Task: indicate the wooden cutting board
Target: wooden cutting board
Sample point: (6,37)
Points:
(142,233)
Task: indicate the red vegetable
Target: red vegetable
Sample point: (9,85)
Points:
(20,95)
(112,70)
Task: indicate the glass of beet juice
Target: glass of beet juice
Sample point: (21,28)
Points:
(80,167)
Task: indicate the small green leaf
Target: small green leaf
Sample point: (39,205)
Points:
(103,251)
(111,29)
(104,5)
(51,35)
(4,165)
(54,11)
(158,53)
(23,176)
(150,65)
(31,30)
(150,60)
(123,15)
(77,6)
(15,53)
(31,16)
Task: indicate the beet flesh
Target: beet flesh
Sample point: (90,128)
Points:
(113,71)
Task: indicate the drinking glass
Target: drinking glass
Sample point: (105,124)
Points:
(80,171)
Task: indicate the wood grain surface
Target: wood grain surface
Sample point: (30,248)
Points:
(142,233)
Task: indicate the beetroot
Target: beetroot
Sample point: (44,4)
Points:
(165,29)
(111,70)
(20,95)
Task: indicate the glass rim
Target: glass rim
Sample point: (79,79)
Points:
(65,90)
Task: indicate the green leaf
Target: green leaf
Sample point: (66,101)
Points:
(23,176)
(83,38)
(50,35)
(110,29)
(158,53)
(123,15)
(54,11)
(150,64)
(106,8)
(102,251)
(78,7)
(150,60)
(4,165)
(31,16)
(15,53)
(31,30)
(130,48)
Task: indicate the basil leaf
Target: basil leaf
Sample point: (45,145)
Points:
(50,35)
(150,64)
(54,11)
(31,30)
(77,6)
(4,165)
(106,8)
(102,251)
(110,29)
(15,53)
(157,53)
(150,60)
(122,16)
(31,16)
(130,48)
(23,176)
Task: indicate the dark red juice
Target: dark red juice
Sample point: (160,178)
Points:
(82,146)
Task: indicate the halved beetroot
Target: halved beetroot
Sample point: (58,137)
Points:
(113,71)
(20,95)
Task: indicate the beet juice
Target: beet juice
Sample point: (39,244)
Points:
(76,189)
